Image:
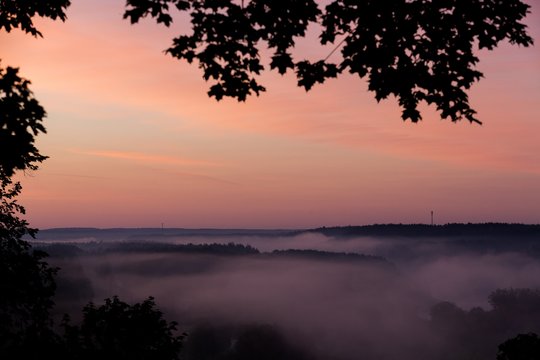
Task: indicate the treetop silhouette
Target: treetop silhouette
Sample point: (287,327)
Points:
(26,281)
(19,13)
(21,119)
(522,347)
(118,330)
(415,50)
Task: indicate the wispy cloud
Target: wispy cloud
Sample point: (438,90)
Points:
(79,176)
(148,158)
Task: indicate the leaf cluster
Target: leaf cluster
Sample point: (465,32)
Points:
(21,119)
(415,50)
(226,36)
(20,13)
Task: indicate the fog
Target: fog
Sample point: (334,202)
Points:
(331,307)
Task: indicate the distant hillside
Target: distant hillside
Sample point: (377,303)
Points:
(134,234)
(395,241)
(376,230)
(423,230)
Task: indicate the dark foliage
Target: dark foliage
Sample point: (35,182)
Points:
(21,119)
(522,347)
(230,249)
(19,13)
(26,282)
(216,249)
(21,115)
(420,50)
(117,330)
(475,334)
(440,231)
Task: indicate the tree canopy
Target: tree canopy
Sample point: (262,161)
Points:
(21,119)
(19,13)
(117,330)
(26,282)
(415,50)
(522,347)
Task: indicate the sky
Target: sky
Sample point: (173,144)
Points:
(134,140)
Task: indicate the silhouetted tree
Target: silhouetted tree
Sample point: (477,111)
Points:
(21,115)
(115,330)
(522,347)
(19,13)
(26,282)
(21,118)
(476,333)
(119,331)
(421,50)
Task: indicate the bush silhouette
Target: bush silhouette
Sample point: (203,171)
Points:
(522,347)
(117,330)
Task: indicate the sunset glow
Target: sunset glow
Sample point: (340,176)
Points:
(134,140)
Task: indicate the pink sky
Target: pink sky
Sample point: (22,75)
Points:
(134,140)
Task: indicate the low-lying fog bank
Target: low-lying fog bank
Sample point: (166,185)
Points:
(339,298)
